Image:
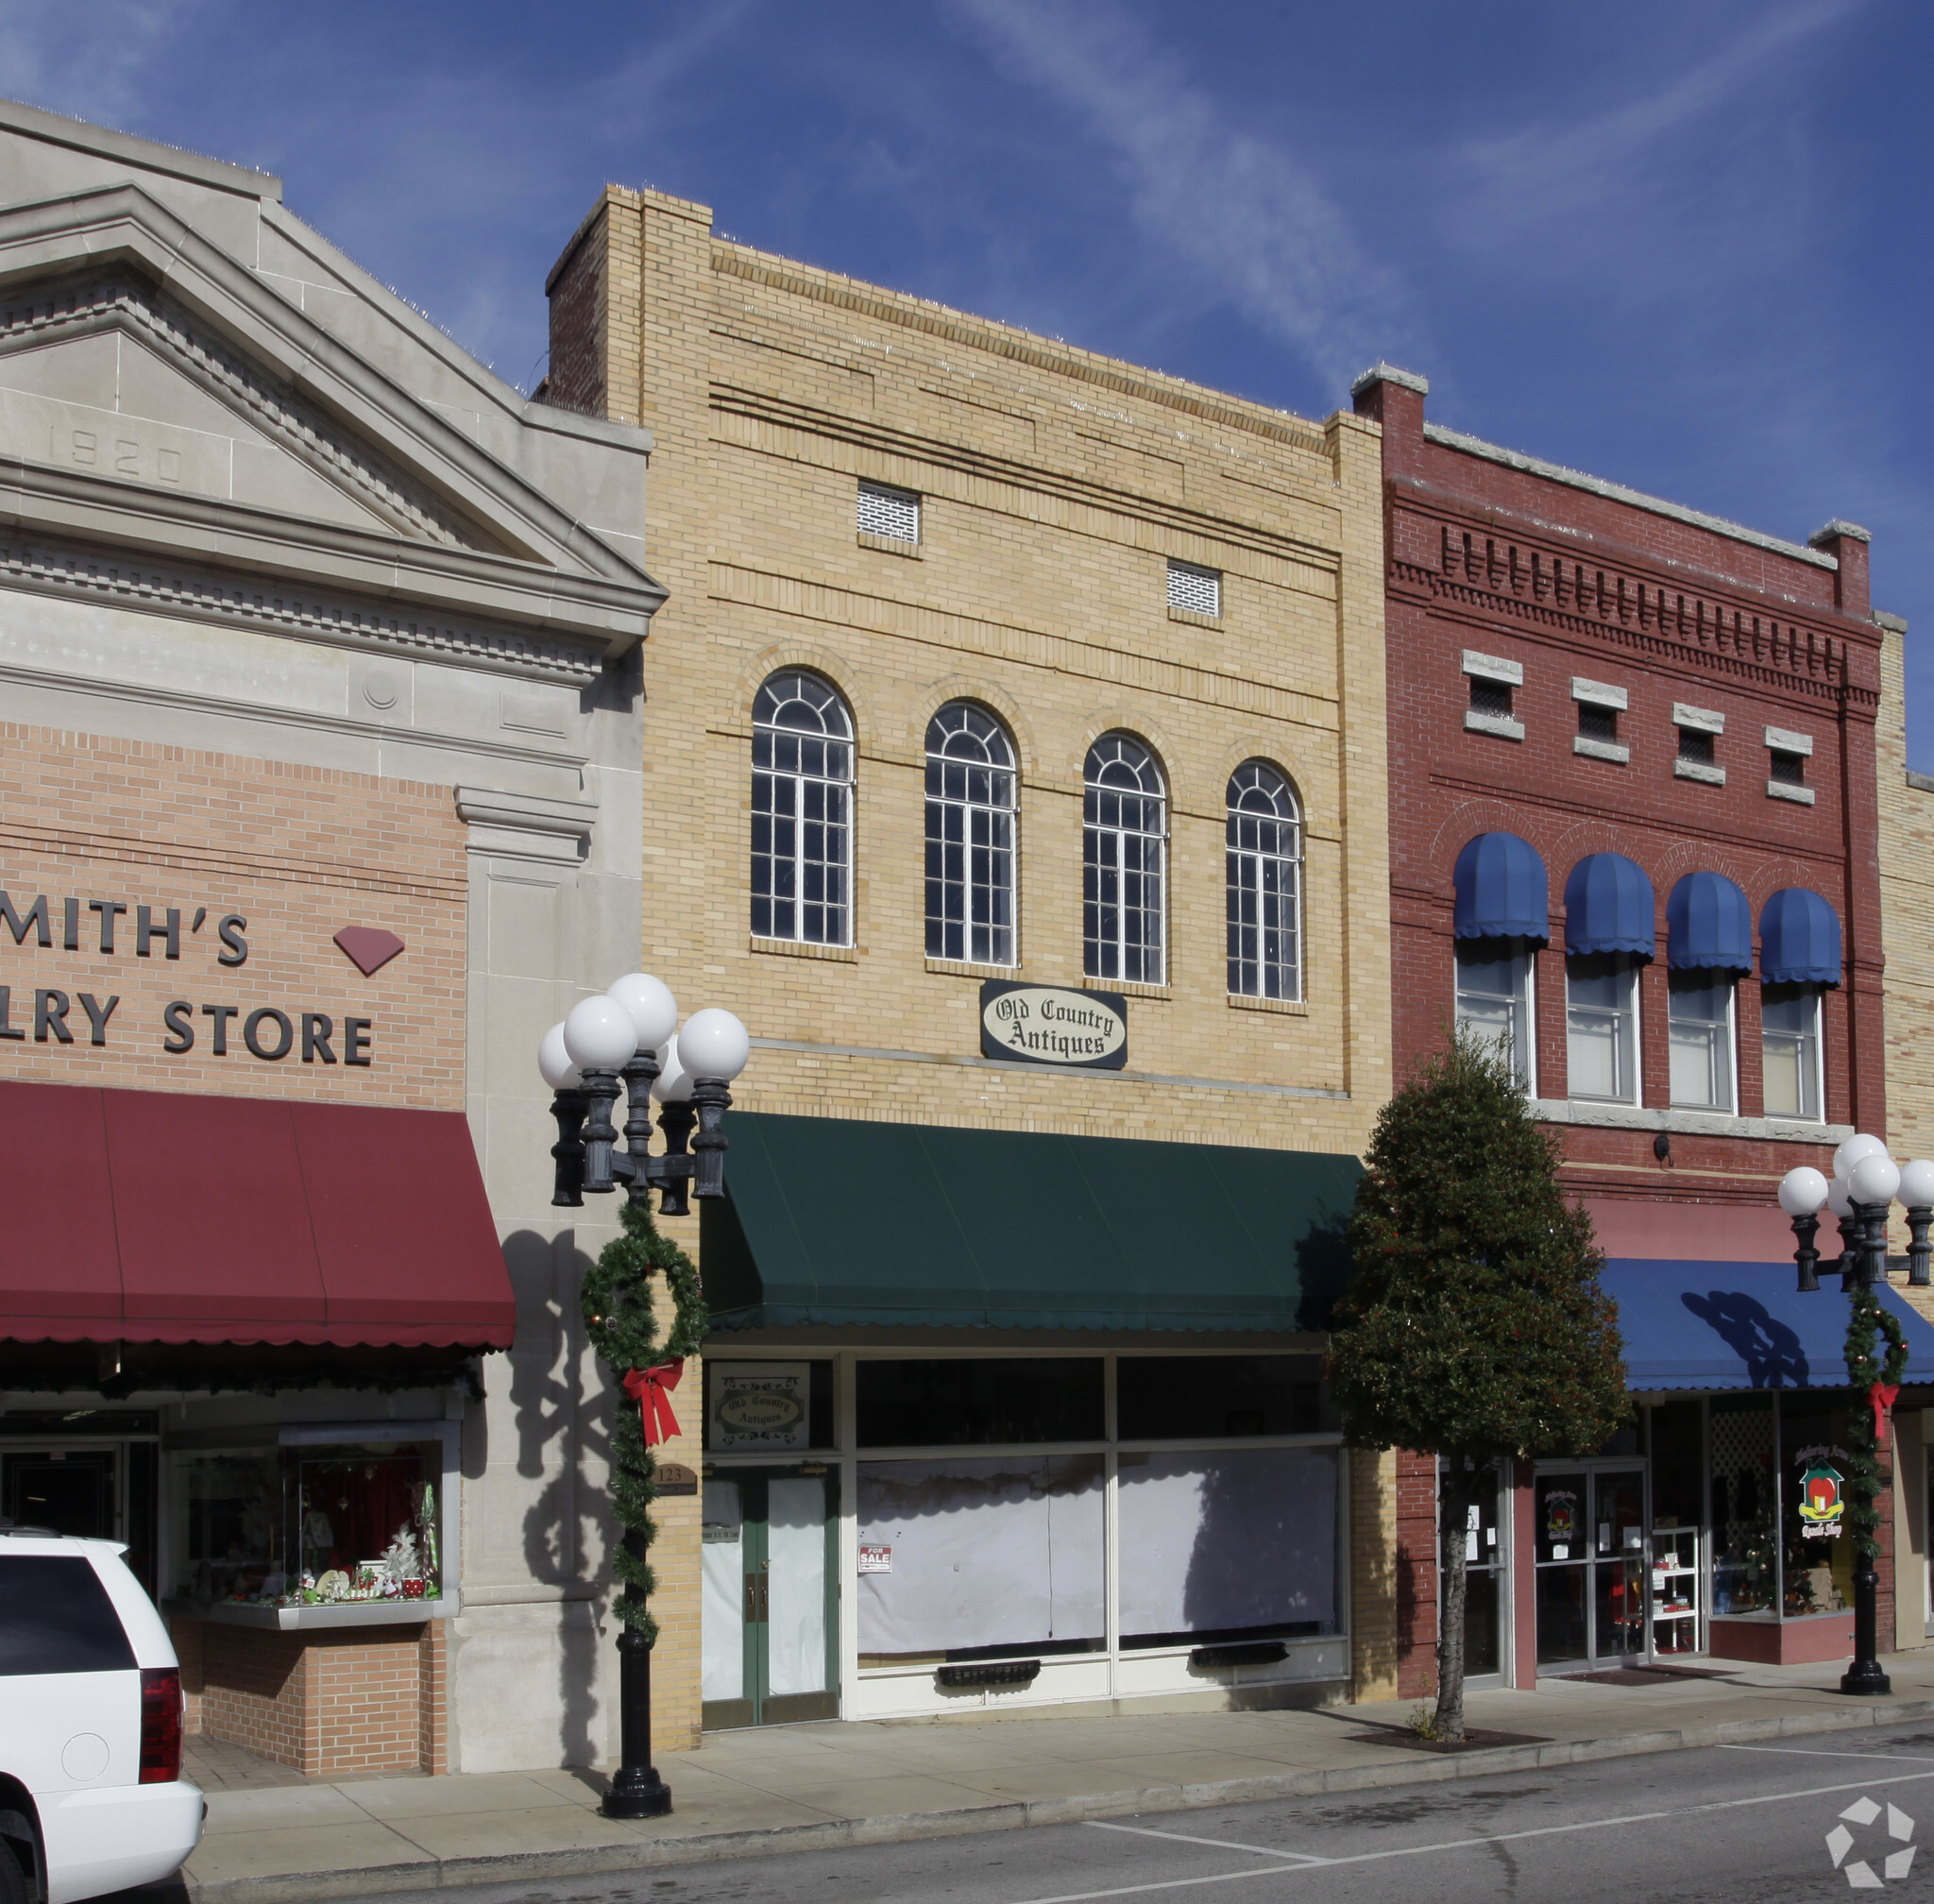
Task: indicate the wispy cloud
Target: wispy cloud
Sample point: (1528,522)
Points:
(1240,213)
(1685,156)
(103,71)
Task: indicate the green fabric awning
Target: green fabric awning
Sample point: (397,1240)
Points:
(827,1222)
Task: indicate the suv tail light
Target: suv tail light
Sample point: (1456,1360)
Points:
(161,1725)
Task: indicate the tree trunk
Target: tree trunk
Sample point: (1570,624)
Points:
(1456,1491)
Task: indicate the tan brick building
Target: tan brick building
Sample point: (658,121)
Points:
(972,639)
(1906,911)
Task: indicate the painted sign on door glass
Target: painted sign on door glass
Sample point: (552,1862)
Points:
(758,1406)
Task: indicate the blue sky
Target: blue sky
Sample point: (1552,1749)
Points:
(1685,247)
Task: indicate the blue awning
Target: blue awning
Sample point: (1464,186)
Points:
(1799,940)
(1708,925)
(1609,907)
(1501,891)
(1741,1325)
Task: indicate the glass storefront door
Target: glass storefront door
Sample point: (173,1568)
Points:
(1590,1565)
(70,1491)
(1486,1583)
(770,1589)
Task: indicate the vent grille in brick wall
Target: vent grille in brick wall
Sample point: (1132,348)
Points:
(892,513)
(1197,591)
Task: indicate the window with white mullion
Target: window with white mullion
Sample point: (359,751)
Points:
(1125,815)
(802,830)
(970,837)
(1265,887)
(1790,1050)
(1700,1036)
(1602,1028)
(1494,1001)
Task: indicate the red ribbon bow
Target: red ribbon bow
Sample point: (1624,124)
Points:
(1882,1397)
(647,1388)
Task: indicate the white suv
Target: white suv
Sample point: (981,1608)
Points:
(91,1797)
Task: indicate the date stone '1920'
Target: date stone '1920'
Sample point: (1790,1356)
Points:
(1053,1025)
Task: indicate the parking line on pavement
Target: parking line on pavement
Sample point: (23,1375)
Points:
(1801,1752)
(1218,1843)
(1285,1870)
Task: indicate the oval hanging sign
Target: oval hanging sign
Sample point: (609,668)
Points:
(1054,1025)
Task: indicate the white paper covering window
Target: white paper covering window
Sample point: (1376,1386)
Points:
(722,1624)
(894,512)
(796,1573)
(1194,588)
(1000,1551)
(1213,1542)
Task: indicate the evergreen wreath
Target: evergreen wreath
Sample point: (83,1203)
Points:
(1869,1316)
(623,1327)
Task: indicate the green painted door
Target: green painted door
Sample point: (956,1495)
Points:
(770,1622)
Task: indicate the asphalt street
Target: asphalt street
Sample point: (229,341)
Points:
(1763,1821)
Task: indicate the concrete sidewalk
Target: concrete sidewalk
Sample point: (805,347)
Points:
(818,1787)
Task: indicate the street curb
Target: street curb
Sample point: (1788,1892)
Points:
(646,1853)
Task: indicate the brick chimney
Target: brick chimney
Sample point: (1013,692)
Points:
(1395,399)
(1846,542)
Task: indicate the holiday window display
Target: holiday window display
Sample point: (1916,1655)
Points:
(307,1527)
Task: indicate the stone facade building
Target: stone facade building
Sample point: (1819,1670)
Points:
(318,725)
(991,663)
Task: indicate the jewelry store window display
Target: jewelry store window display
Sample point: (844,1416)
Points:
(343,1523)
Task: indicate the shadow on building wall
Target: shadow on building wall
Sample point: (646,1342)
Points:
(558,1432)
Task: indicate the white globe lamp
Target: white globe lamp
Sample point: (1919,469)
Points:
(673,1085)
(714,1045)
(653,1009)
(1917,1185)
(1857,1147)
(553,1060)
(599,1035)
(1874,1180)
(1803,1191)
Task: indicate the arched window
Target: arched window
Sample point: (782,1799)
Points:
(802,811)
(1125,816)
(970,836)
(1265,885)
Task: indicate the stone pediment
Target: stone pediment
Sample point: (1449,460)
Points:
(107,375)
(157,397)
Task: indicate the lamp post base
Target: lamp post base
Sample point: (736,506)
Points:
(636,1792)
(1865,1680)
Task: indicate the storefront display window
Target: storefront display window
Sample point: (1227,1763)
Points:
(1744,1483)
(1816,1548)
(307,1526)
(1225,1546)
(1193,1397)
(961,1559)
(962,1403)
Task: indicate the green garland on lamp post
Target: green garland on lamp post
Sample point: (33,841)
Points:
(1875,1381)
(621,1320)
(623,1043)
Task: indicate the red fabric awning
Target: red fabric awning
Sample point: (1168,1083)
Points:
(154,1216)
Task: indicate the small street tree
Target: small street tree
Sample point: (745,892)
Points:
(1473,1327)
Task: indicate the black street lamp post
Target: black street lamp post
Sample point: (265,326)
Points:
(624,1043)
(1865,1185)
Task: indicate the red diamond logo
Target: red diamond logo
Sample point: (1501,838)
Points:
(369,947)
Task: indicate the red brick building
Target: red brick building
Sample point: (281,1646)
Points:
(1633,833)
